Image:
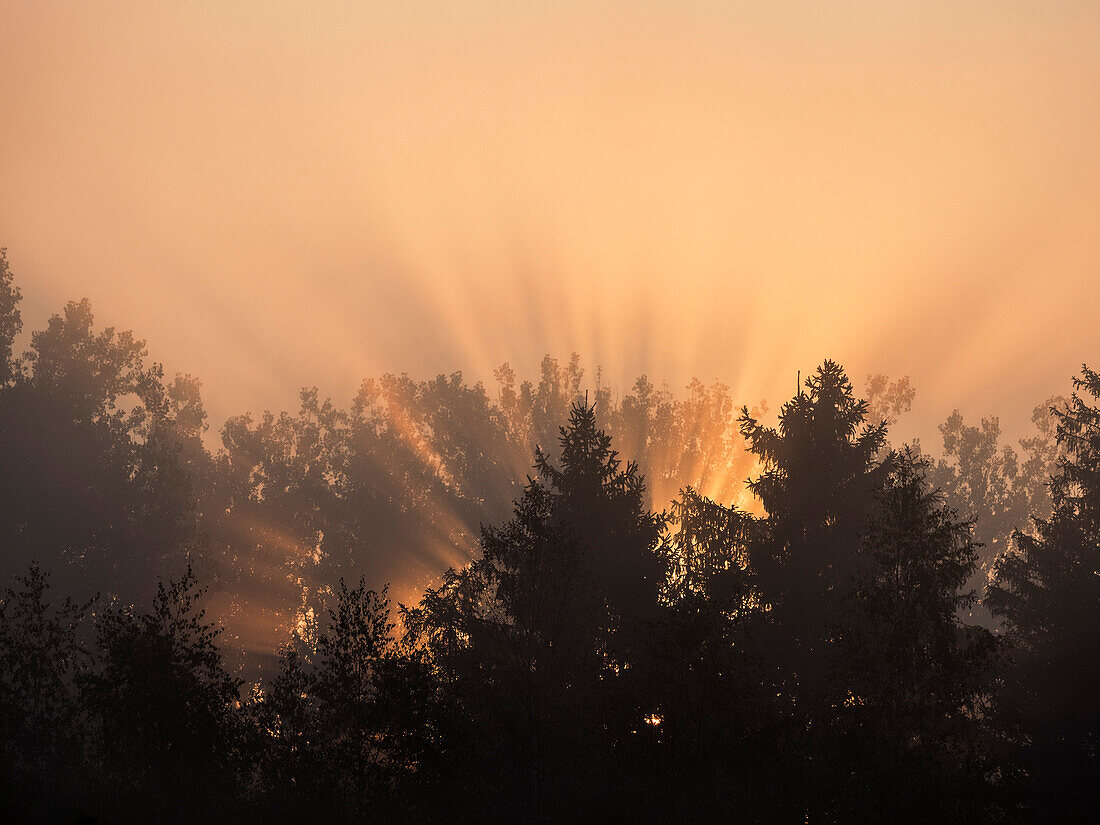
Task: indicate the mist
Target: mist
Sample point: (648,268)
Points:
(278,200)
(520,412)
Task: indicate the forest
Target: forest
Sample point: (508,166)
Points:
(536,602)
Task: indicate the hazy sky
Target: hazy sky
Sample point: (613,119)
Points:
(278,194)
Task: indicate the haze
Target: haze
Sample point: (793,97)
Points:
(275,197)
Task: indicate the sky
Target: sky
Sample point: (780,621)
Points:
(277,194)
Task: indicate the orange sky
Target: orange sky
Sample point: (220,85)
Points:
(278,194)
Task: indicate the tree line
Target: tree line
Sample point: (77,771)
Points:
(861,632)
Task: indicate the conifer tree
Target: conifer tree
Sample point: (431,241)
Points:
(543,634)
(911,682)
(818,485)
(1047,592)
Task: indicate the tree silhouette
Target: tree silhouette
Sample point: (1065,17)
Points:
(911,682)
(888,401)
(164,704)
(802,657)
(817,487)
(1047,592)
(350,652)
(11,322)
(710,670)
(92,446)
(44,731)
(539,634)
(997,486)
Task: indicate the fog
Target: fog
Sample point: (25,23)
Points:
(729,191)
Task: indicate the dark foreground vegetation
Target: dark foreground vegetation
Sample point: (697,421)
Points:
(841,649)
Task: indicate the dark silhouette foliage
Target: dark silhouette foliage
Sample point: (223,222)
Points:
(43,726)
(612,640)
(11,322)
(164,703)
(1047,591)
(818,484)
(912,682)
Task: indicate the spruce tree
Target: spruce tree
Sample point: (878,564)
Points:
(1047,593)
(911,682)
(818,485)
